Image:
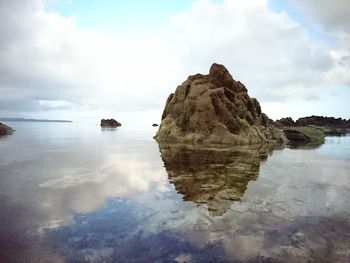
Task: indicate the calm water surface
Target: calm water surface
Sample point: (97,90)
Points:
(76,193)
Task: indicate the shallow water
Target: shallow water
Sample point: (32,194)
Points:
(76,193)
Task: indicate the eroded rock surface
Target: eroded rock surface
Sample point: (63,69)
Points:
(215,108)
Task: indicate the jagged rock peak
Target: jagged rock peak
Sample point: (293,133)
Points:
(215,108)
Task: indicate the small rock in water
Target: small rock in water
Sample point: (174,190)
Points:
(112,123)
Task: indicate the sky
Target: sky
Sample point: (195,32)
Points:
(87,60)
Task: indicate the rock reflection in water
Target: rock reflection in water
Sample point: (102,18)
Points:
(215,176)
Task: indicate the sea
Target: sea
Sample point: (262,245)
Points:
(74,192)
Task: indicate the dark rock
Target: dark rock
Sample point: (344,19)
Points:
(111,123)
(296,137)
(155,125)
(5,130)
(309,136)
(215,108)
(285,122)
(322,121)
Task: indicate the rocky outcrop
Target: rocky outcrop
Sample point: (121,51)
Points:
(110,123)
(322,121)
(5,130)
(312,130)
(213,176)
(285,122)
(296,137)
(308,136)
(215,108)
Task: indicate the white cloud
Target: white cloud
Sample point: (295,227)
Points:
(46,59)
(269,52)
(331,18)
(331,15)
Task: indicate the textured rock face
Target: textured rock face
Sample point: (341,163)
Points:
(111,123)
(215,108)
(5,130)
(215,177)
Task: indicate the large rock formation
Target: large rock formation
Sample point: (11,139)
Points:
(110,123)
(5,130)
(215,108)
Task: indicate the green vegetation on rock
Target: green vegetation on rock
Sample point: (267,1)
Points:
(310,136)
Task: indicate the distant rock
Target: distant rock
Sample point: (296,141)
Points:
(155,125)
(323,122)
(111,123)
(5,130)
(320,121)
(215,108)
(296,137)
(314,126)
(285,122)
(31,120)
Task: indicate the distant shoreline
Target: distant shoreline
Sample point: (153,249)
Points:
(32,120)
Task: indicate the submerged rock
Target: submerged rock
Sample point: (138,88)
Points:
(111,123)
(213,176)
(215,108)
(296,137)
(309,136)
(5,130)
